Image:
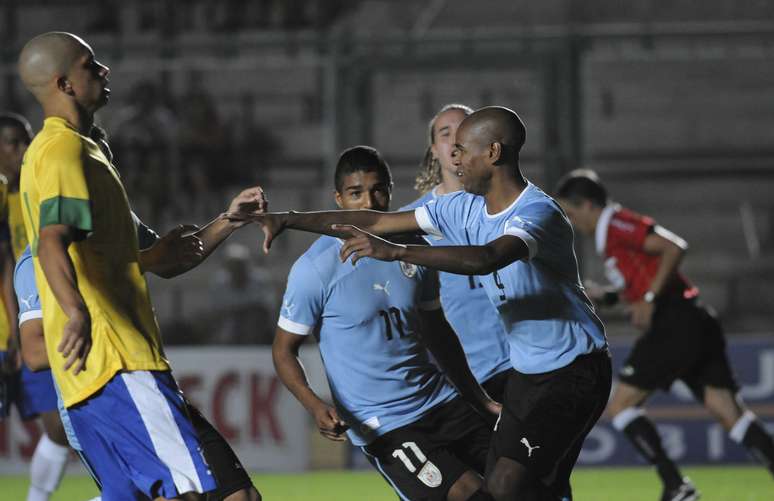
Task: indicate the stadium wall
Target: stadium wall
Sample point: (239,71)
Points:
(238,390)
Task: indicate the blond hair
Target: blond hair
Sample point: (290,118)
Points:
(430,169)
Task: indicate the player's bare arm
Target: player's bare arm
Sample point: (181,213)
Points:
(459,259)
(60,275)
(376,222)
(33,345)
(671,248)
(443,343)
(187,246)
(284,352)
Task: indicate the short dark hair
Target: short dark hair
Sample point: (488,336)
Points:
(360,159)
(10,119)
(582,184)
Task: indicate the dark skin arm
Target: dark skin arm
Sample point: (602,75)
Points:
(443,343)
(284,352)
(187,246)
(380,223)
(459,259)
(33,345)
(671,249)
(60,275)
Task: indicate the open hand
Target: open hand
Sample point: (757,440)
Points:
(359,244)
(76,341)
(329,423)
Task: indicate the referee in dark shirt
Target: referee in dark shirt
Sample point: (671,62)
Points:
(681,338)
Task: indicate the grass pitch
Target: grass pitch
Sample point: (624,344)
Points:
(589,484)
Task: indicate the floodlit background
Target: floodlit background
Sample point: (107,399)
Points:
(672,102)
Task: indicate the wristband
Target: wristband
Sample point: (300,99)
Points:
(649,297)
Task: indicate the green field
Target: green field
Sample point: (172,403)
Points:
(590,484)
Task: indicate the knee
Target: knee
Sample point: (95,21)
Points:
(465,487)
(504,485)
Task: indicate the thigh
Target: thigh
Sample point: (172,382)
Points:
(713,368)
(37,393)
(416,465)
(546,417)
(228,471)
(495,386)
(139,423)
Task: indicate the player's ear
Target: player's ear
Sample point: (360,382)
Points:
(495,152)
(337,195)
(64,85)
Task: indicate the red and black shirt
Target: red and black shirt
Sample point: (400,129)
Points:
(620,239)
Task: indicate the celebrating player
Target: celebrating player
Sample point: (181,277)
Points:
(681,338)
(373,322)
(102,339)
(465,304)
(505,228)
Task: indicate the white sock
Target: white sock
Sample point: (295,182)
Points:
(46,468)
(739,430)
(626,416)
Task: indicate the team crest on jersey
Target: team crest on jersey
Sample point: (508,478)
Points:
(408,269)
(430,475)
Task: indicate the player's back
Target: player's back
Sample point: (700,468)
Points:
(67,180)
(367,321)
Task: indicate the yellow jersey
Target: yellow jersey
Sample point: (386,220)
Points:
(66,179)
(15,220)
(5,328)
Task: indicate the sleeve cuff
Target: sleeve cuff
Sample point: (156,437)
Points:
(294,327)
(426,223)
(432,305)
(74,212)
(30,315)
(528,239)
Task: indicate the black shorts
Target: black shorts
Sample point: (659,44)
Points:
(422,460)
(686,342)
(546,417)
(495,385)
(228,471)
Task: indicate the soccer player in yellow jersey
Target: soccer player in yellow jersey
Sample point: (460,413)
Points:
(102,339)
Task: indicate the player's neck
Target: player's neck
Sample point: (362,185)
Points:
(503,191)
(449,184)
(80,119)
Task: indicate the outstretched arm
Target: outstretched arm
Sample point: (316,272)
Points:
(322,222)
(459,259)
(284,352)
(443,343)
(187,246)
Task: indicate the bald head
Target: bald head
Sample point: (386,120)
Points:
(496,124)
(48,57)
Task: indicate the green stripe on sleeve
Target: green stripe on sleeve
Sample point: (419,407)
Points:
(73,212)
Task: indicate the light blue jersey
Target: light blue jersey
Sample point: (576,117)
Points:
(30,309)
(471,315)
(548,318)
(367,320)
